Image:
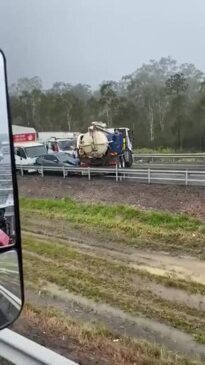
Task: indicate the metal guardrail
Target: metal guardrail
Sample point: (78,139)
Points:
(167,156)
(145,175)
(177,155)
(22,351)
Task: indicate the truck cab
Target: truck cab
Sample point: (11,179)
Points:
(127,149)
(67,145)
(27,152)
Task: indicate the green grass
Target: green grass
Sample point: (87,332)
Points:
(64,254)
(105,212)
(139,228)
(106,282)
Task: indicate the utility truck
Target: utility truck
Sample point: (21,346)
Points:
(102,146)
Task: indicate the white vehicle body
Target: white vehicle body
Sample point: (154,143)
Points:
(23,134)
(26,153)
(45,136)
(26,146)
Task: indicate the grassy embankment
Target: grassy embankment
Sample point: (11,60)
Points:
(106,280)
(178,233)
(92,344)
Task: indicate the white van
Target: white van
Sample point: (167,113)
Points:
(26,153)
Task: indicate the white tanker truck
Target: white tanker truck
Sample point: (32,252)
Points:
(101,146)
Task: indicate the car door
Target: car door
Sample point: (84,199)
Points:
(49,161)
(20,155)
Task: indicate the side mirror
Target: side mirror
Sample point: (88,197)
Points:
(11,272)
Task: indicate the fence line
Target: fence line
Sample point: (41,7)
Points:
(140,157)
(169,155)
(146,175)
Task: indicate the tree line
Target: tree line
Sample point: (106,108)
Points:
(162,102)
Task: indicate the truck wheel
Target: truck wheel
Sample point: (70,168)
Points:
(128,159)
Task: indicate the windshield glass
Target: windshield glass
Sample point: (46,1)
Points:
(35,151)
(63,157)
(66,145)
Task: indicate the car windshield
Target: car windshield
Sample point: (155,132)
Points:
(64,157)
(66,145)
(35,151)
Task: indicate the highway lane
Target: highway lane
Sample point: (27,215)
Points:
(3,318)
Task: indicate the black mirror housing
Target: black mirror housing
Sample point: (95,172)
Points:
(11,270)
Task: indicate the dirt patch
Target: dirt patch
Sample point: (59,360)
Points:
(160,263)
(196,301)
(90,345)
(175,295)
(178,198)
(119,322)
(181,267)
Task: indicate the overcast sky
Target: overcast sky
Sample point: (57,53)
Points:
(93,40)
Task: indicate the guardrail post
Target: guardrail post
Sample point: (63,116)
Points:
(22,173)
(89,175)
(186,177)
(64,172)
(42,173)
(116,171)
(149,176)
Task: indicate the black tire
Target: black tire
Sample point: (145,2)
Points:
(128,158)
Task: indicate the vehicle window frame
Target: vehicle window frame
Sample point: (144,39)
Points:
(22,153)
